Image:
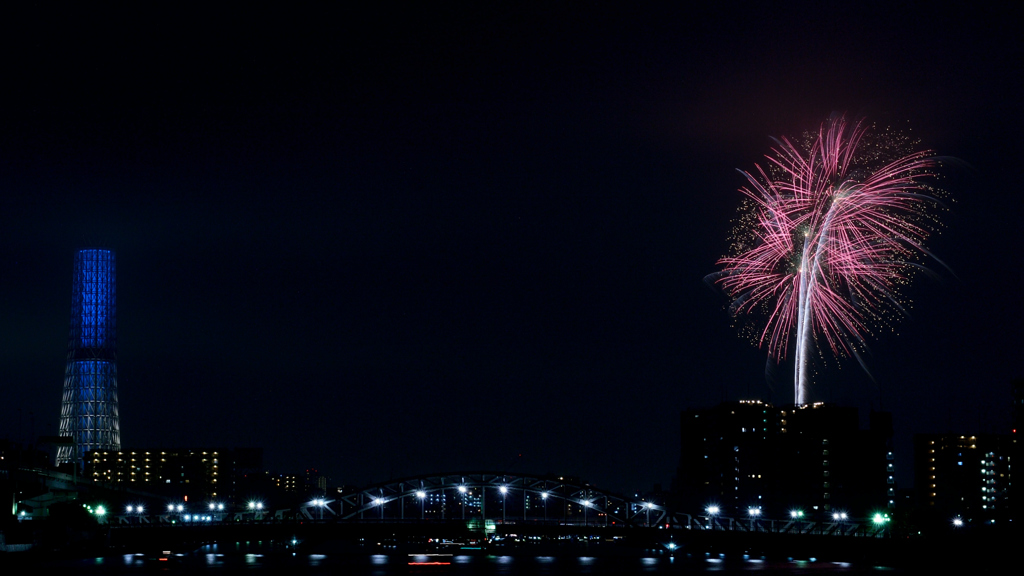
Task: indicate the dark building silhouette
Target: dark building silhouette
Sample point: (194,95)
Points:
(726,455)
(969,476)
(814,458)
(88,414)
(964,476)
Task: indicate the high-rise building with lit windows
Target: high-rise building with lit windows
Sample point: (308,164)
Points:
(815,458)
(88,414)
(965,476)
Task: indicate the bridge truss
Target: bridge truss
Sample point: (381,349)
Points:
(498,497)
(514,498)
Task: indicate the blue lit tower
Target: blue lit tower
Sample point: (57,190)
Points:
(88,412)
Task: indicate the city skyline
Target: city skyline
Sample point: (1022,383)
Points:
(400,244)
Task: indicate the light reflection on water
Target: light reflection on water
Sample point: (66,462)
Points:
(649,564)
(287,562)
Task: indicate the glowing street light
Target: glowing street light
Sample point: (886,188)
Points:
(753,512)
(649,505)
(957,522)
(319,503)
(462,491)
(504,491)
(712,511)
(256,508)
(586,507)
(422,497)
(137,510)
(544,497)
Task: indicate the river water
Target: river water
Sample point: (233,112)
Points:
(215,560)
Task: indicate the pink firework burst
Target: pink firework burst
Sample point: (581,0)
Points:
(829,232)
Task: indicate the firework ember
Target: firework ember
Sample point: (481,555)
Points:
(829,231)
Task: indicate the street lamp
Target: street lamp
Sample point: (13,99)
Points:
(712,512)
(256,508)
(462,491)
(504,491)
(422,496)
(137,510)
(319,503)
(880,520)
(379,502)
(180,509)
(586,507)
(544,497)
(753,512)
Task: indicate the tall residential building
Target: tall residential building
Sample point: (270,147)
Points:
(966,476)
(197,473)
(88,414)
(814,458)
(727,455)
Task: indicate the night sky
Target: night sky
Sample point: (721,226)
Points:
(388,243)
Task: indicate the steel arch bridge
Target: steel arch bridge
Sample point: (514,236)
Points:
(499,497)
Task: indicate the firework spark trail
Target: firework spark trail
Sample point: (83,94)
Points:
(832,234)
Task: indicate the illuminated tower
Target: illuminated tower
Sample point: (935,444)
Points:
(88,412)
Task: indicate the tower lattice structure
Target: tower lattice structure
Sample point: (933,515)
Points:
(88,412)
